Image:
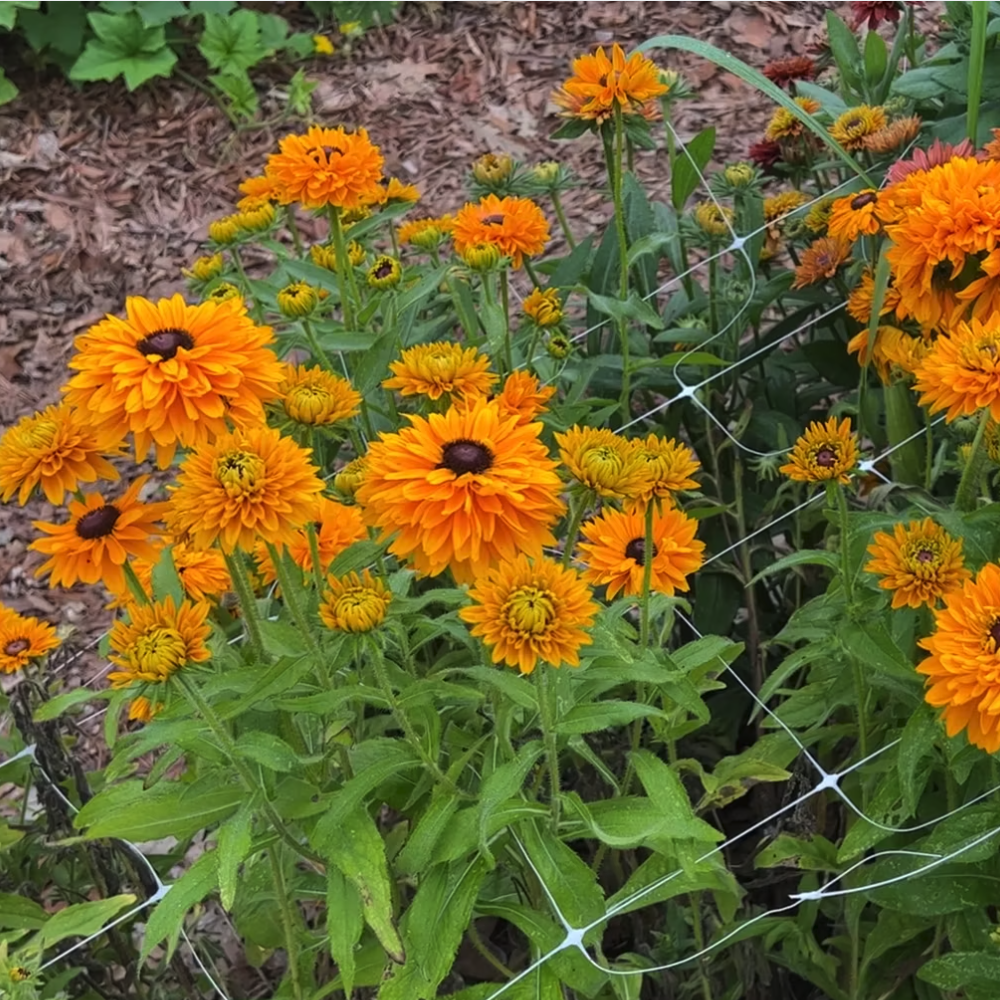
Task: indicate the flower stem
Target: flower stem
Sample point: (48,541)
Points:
(968,486)
(563,221)
(287,922)
(293,228)
(290,598)
(135,587)
(238,261)
(648,552)
(318,353)
(317,568)
(248,605)
(547,718)
(508,350)
(577,506)
(615,171)
(228,747)
(345,271)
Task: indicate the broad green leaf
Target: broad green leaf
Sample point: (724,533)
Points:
(603,715)
(686,176)
(133,813)
(344,924)
(629,822)
(359,853)
(876,58)
(941,890)
(806,557)
(880,657)
(80,919)
(844,47)
(9,9)
(633,308)
(461,836)
(667,794)
(55,707)
(167,919)
(8,91)
(166,582)
(917,743)
(951,972)
(416,853)
(232,847)
(711,650)
(239,89)
(232,43)
(512,686)
(502,784)
(18,913)
(158,12)
(99,61)
(814,854)
(662,877)
(268,750)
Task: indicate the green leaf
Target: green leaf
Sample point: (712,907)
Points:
(876,58)
(9,9)
(166,920)
(8,91)
(880,657)
(502,784)
(132,812)
(671,879)
(806,557)
(633,308)
(945,889)
(158,12)
(570,880)
(969,968)
(512,686)
(18,913)
(916,744)
(124,47)
(604,715)
(166,582)
(273,31)
(55,707)
(686,176)
(416,853)
(814,854)
(232,846)
(666,793)
(344,924)
(239,89)
(80,919)
(232,43)
(919,84)
(359,853)
(268,750)
(844,47)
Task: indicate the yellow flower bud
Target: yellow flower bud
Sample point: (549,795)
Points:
(559,346)
(544,308)
(224,231)
(384,273)
(739,174)
(350,477)
(206,268)
(493,168)
(482,256)
(297,299)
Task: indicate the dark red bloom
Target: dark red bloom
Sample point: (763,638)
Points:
(873,13)
(765,154)
(938,154)
(784,71)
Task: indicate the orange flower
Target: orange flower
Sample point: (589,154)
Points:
(599,84)
(202,572)
(961,373)
(614,551)
(327,166)
(821,260)
(462,490)
(172,374)
(529,611)
(919,563)
(23,640)
(895,134)
(670,465)
(391,189)
(862,298)
(248,485)
(317,397)
(515,226)
(785,124)
(963,668)
(854,216)
(435,369)
(855,125)
(337,527)
(355,603)
(98,538)
(522,396)
(825,451)
(54,449)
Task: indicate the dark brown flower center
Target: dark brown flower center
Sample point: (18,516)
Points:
(98,523)
(826,458)
(995,634)
(466,456)
(165,343)
(925,556)
(853,123)
(384,269)
(493,220)
(867,198)
(636,549)
(16,646)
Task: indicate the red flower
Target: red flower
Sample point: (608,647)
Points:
(938,154)
(873,13)
(765,154)
(784,71)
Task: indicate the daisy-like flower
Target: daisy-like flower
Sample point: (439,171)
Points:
(670,465)
(862,298)
(896,353)
(824,452)
(901,132)
(394,190)
(919,563)
(783,72)
(614,550)
(350,477)
(543,308)
(527,611)
(441,367)
(523,397)
(855,124)
(354,603)
(258,189)
(226,291)
(854,216)
(493,169)
(171,373)
(23,640)
(818,216)
(715,220)
(599,84)
(874,12)
(203,572)
(425,233)
(936,155)
(385,273)
(98,537)
(327,166)
(247,486)
(779,205)
(55,449)
(785,124)
(315,396)
(766,154)
(157,641)
(961,373)
(963,668)
(337,527)
(462,490)
(821,260)
(515,226)
(605,462)
(482,257)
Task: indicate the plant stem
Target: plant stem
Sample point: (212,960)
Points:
(317,569)
(287,922)
(563,222)
(577,506)
(648,554)
(248,605)
(135,587)
(238,261)
(345,271)
(228,747)
(477,942)
(547,719)
(977,64)
(968,486)
(293,228)
(531,273)
(699,940)
(318,353)
(845,555)
(616,173)
(505,303)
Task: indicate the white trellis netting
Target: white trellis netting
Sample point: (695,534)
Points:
(826,781)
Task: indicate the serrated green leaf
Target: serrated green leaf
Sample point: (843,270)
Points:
(604,715)
(571,881)
(79,920)
(667,794)
(18,913)
(55,707)
(951,972)
(344,924)
(268,750)
(232,846)
(416,853)
(167,919)
(502,784)
(232,44)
